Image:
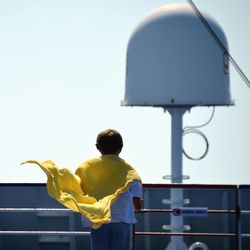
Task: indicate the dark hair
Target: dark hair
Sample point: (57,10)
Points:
(109,141)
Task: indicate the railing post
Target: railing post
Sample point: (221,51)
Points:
(133,237)
(238,219)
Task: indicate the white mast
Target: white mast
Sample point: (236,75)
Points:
(174,63)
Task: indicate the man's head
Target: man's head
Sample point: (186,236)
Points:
(109,141)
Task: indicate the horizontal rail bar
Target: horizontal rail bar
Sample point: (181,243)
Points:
(19,185)
(146,185)
(7,209)
(171,210)
(244,187)
(245,211)
(189,186)
(221,211)
(70,233)
(73,233)
(146,210)
(245,235)
(185,234)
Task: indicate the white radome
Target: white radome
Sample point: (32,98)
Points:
(172,60)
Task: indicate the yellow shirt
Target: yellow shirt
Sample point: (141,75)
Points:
(96,185)
(106,175)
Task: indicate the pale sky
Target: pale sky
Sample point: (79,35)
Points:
(62,77)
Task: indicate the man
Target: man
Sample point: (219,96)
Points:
(105,176)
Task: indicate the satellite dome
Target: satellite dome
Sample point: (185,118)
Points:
(173,60)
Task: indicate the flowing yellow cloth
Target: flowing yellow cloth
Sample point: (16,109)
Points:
(93,189)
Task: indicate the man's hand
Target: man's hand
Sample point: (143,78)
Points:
(138,203)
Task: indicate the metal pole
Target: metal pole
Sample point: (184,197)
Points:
(238,218)
(176,176)
(176,144)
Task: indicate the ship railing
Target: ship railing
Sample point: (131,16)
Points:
(243,196)
(237,212)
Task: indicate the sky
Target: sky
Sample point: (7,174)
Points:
(62,78)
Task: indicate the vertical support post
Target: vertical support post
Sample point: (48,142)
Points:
(176,144)
(238,218)
(176,198)
(133,237)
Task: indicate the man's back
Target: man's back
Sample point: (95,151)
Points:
(105,175)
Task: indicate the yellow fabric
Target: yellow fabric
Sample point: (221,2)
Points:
(93,189)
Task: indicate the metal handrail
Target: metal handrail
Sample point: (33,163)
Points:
(27,232)
(186,234)
(209,211)
(235,212)
(28,210)
(24,209)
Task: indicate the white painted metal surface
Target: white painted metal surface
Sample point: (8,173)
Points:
(173,60)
